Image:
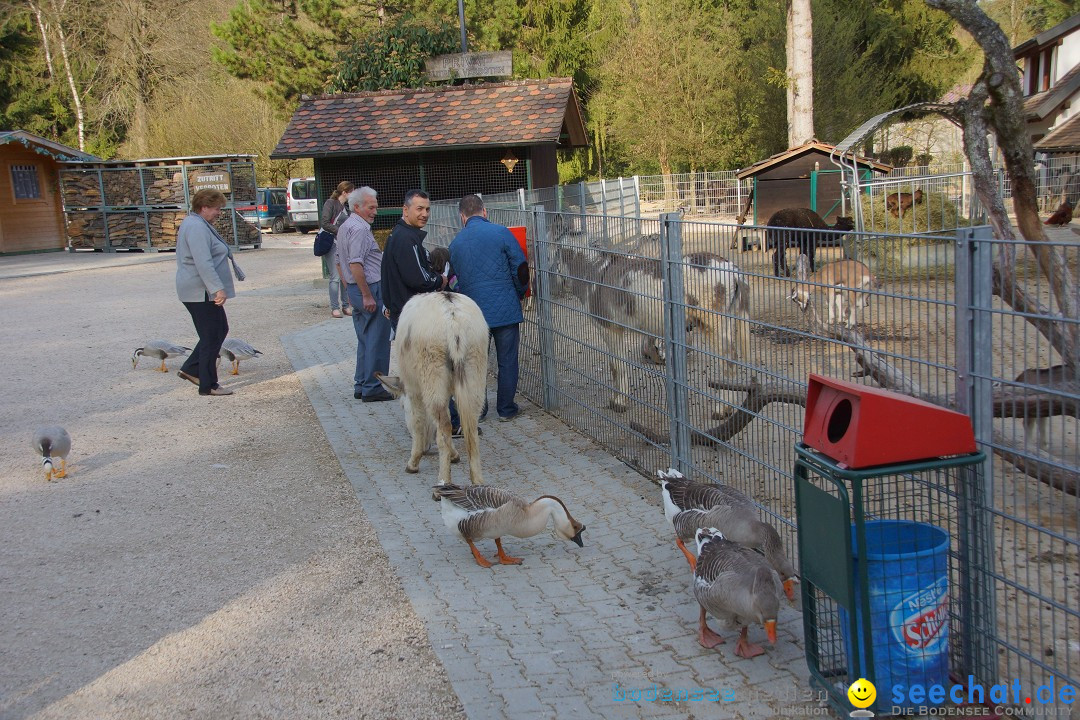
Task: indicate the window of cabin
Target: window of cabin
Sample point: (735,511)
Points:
(24,182)
(1046,66)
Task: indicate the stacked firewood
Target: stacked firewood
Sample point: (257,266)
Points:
(158,191)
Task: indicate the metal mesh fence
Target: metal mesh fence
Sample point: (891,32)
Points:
(643,338)
(920,204)
(709,193)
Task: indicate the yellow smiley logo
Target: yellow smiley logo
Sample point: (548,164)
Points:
(862,693)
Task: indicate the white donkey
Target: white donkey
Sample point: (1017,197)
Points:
(442,352)
(629,295)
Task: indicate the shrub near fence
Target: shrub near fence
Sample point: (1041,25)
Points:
(931,333)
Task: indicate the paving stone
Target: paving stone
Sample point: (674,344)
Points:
(549,637)
(521,699)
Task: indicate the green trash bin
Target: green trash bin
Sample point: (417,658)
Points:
(894,574)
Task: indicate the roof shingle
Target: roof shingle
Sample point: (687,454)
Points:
(525,112)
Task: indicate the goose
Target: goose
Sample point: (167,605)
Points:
(690,505)
(52,442)
(159,349)
(485,511)
(736,585)
(235,350)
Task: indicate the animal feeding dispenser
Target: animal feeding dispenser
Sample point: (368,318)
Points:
(861,427)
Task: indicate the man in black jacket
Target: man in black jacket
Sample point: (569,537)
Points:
(406,268)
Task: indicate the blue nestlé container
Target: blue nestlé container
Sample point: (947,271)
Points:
(907,566)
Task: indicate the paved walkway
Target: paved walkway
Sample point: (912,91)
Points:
(569,630)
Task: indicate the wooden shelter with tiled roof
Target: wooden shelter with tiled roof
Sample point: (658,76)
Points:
(800,177)
(447,140)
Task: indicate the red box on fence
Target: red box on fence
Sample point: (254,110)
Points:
(519,233)
(862,426)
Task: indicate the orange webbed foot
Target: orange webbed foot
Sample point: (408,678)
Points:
(480,559)
(706,636)
(746,649)
(503,557)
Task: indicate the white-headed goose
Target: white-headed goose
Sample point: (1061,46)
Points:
(52,443)
(158,349)
(234,350)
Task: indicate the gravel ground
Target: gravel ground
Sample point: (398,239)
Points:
(205,557)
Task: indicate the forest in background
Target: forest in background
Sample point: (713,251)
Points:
(666,85)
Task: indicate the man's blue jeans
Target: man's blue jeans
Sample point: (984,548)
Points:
(506,354)
(372,340)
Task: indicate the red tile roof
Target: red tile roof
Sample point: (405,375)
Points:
(780,157)
(525,112)
(1064,138)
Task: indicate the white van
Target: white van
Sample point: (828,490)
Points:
(302,201)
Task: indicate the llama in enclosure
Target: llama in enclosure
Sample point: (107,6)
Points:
(840,282)
(442,340)
(625,293)
(795,227)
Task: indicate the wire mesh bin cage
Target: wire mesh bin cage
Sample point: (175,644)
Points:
(895,571)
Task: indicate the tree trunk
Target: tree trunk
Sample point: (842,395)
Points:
(43,27)
(800,72)
(80,117)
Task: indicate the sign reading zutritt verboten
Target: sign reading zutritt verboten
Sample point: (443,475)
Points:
(210,181)
(470,65)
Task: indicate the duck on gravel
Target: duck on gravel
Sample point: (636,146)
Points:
(52,443)
(738,587)
(484,511)
(234,350)
(689,506)
(160,350)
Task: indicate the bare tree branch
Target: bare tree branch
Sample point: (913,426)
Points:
(996,104)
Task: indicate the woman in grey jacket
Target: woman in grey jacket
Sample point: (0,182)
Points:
(330,211)
(203,283)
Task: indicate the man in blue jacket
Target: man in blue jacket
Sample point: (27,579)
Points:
(491,269)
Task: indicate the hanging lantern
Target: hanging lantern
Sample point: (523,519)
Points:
(509,160)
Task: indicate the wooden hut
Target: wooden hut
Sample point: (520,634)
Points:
(801,177)
(447,140)
(31,205)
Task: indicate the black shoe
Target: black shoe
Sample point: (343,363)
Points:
(357,395)
(379,396)
(457,432)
